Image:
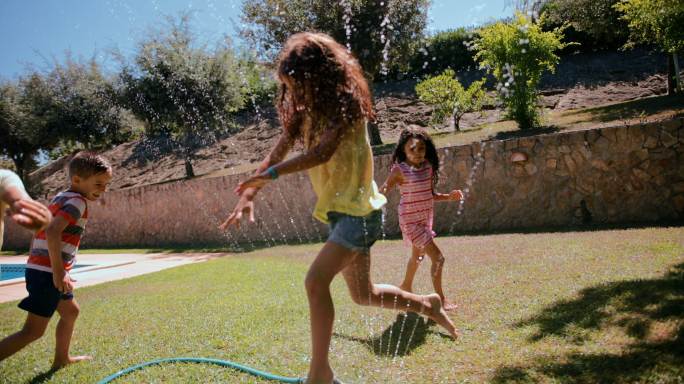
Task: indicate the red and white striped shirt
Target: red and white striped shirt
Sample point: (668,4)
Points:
(74,208)
(416,203)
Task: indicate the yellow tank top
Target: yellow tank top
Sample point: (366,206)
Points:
(345,183)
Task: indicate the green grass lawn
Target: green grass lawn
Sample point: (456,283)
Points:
(573,307)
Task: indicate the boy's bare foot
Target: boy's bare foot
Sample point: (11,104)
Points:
(72,359)
(438,314)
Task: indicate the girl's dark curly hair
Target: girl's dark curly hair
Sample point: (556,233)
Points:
(320,78)
(430,150)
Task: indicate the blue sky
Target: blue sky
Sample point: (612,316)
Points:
(35,32)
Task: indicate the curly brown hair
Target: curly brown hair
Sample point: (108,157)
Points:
(318,77)
(431,156)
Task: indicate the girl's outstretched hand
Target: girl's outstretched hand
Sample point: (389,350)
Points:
(456,194)
(257,182)
(244,206)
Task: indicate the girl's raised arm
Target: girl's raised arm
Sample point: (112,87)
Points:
(319,154)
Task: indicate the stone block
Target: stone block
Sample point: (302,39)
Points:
(621,135)
(592,135)
(637,157)
(570,164)
(600,164)
(510,144)
(651,142)
(641,175)
(668,139)
(518,171)
(527,142)
(602,144)
(609,133)
(577,157)
(551,163)
(531,169)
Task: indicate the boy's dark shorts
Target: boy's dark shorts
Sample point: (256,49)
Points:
(355,232)
(43,297)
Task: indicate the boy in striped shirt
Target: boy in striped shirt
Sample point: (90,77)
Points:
(52,256)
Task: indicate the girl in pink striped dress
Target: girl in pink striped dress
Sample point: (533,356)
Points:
(415,167)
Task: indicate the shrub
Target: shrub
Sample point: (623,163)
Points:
(517,53)
(449,98)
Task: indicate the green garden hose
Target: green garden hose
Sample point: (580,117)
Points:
(201,360)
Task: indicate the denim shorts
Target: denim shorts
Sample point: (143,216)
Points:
(357,233)
(43,297)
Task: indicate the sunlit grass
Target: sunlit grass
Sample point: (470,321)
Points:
(600,306)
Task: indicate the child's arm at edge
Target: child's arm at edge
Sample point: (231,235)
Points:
(53,234)
(454,195)
(394,178)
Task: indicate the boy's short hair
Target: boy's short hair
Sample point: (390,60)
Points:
(85,164)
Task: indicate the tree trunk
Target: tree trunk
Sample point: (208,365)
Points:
(457,122)
(677,73)
(20,165)
(374,133)
(670,75)
(189,172)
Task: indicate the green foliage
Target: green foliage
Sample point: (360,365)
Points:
(374,28)
(594,24)
(446,49)
(448,97)
(258,84)
(517,53)
(72,105)
(183,90)
(655,21)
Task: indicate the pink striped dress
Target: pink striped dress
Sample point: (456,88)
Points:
(416,204)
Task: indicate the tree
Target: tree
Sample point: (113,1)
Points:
(182,90)
(71,105)
(381,34)
(598,20)
(517,53)
(660,22)
(448,97)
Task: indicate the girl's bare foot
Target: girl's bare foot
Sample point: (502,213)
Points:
(406,288)
(71,360)
(449,306)
(438,314)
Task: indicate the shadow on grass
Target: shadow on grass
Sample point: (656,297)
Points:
(408,332)
(43,377)
(650,311)
(633,109)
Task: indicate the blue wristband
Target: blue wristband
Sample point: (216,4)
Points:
(271,171)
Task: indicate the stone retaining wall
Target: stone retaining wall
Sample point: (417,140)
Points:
(600,176)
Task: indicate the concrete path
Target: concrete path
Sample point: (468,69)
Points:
(105,268)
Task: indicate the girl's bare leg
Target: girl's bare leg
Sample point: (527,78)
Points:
(68,312)
(411,268)
(364,292)
(330,261)
(436,272)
